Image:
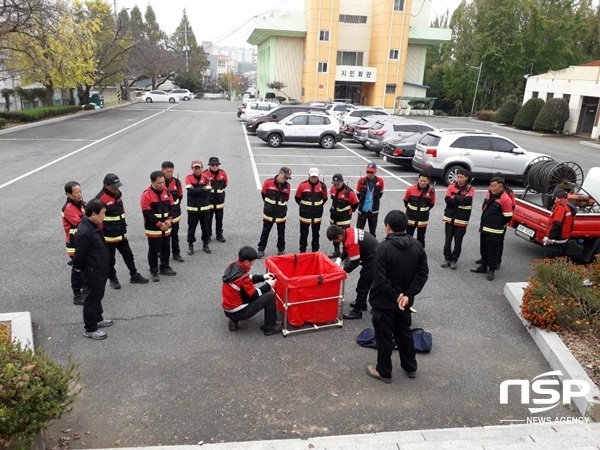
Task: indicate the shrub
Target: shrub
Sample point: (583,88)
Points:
(528,113)
(33,391)
(507,113)
(89,106)
(3,123)
(281,98)
(485,115)
(556,297)
(31,115)
(553,116)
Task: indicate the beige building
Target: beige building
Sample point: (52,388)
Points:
(362,51)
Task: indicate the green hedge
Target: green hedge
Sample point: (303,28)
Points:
(3,123)
(553,116)
(508,112)
(526,116)
(31,115)
(485,115)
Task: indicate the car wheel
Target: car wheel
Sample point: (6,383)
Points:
(274,140)
(327,141)
(185,99)
(148,100)
(171,100)
(450,175)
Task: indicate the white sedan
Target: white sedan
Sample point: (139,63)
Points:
(159,96)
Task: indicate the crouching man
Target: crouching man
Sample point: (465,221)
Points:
(241,300)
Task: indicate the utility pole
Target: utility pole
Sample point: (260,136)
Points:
(476,85)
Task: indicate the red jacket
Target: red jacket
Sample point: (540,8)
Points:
(343,203)
(238,287)
(218,183)
(176,191)
(72,212)
(418,203)
(157,208)
(275,197)
(497,213)
(311,198)
(560,223)
(459,205)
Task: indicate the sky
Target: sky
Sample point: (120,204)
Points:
(215,21)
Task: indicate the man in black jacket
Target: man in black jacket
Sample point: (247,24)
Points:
(400,273)
(92,259)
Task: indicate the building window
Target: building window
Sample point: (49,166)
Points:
(398,5)
(347,18)
(535,94)
(549,96)
(567,97)
(350,58)
(390,88)
(394,53)
(324,35)
(322,67)
(221,63)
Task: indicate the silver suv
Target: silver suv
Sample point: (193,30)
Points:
(443,152)
(388,129)
(349,118)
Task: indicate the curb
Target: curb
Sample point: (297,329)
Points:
(530,133)
(60,119)
(589,144)
(21,330)
(557,354)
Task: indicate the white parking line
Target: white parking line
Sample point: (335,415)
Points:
(312,164)
(25,175)
(258,155)
(48,139)
(252,161)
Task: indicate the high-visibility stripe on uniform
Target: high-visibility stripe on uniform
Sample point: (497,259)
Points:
(342,223)
(306,220)
(114,239)
(176,202)
(493,230)
(177,219)
(416,208)
(70,251)
(277,220)
(343,209)
(150,233)
(161,215)
(412,223)
(219,206)
(464,207)
(308,203)
(114,218)
(72,230)
(270,200)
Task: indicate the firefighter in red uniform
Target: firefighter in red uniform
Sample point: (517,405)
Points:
(72,212)
(359,249)
(174,187)
(418,200)
(218,183)
(114,228)
(157,204)
(497,212)
(370,191)
(198,189)
(560,223)
(343,203)
(311,195)
(459,205)
(241,300)
(275,194)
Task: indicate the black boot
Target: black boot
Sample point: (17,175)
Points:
(490,275)
(220,238)
(190,249)
(353,314)
(362,308)
(233,325)
(480,269)
(446,263)
(206,248)
(114,282)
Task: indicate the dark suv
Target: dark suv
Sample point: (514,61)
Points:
(277,114)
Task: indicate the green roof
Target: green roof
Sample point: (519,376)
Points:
(428,36)
(264,28)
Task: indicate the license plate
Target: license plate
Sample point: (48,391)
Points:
(418,153)
(384,158)
(527,231)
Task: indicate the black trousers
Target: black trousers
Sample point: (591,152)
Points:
(218,215)
(316,229)
(156,246)
(457,234)
(490,247)
(126,253)
(266,302)
(363,286)
(264,236)
(410,229)
(393,327)
(76,280)
(204,219)
(363,218)
(175,238)
(92,302)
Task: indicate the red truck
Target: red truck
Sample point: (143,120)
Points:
(530,220)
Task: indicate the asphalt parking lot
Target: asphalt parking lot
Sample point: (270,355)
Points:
(170,371)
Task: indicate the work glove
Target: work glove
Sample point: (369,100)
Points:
(269,276)
(271,282)
(338,262)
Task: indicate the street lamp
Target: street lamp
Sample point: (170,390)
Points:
(476,85)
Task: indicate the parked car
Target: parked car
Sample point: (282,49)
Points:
(306,127)
(361,129)
(400,151)
(337,109)
(349,118)
(256,109)
(182,94)
(391,129)
(159,96)
(443,152)
(277,114)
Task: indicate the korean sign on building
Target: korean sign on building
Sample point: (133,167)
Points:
(356,73)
